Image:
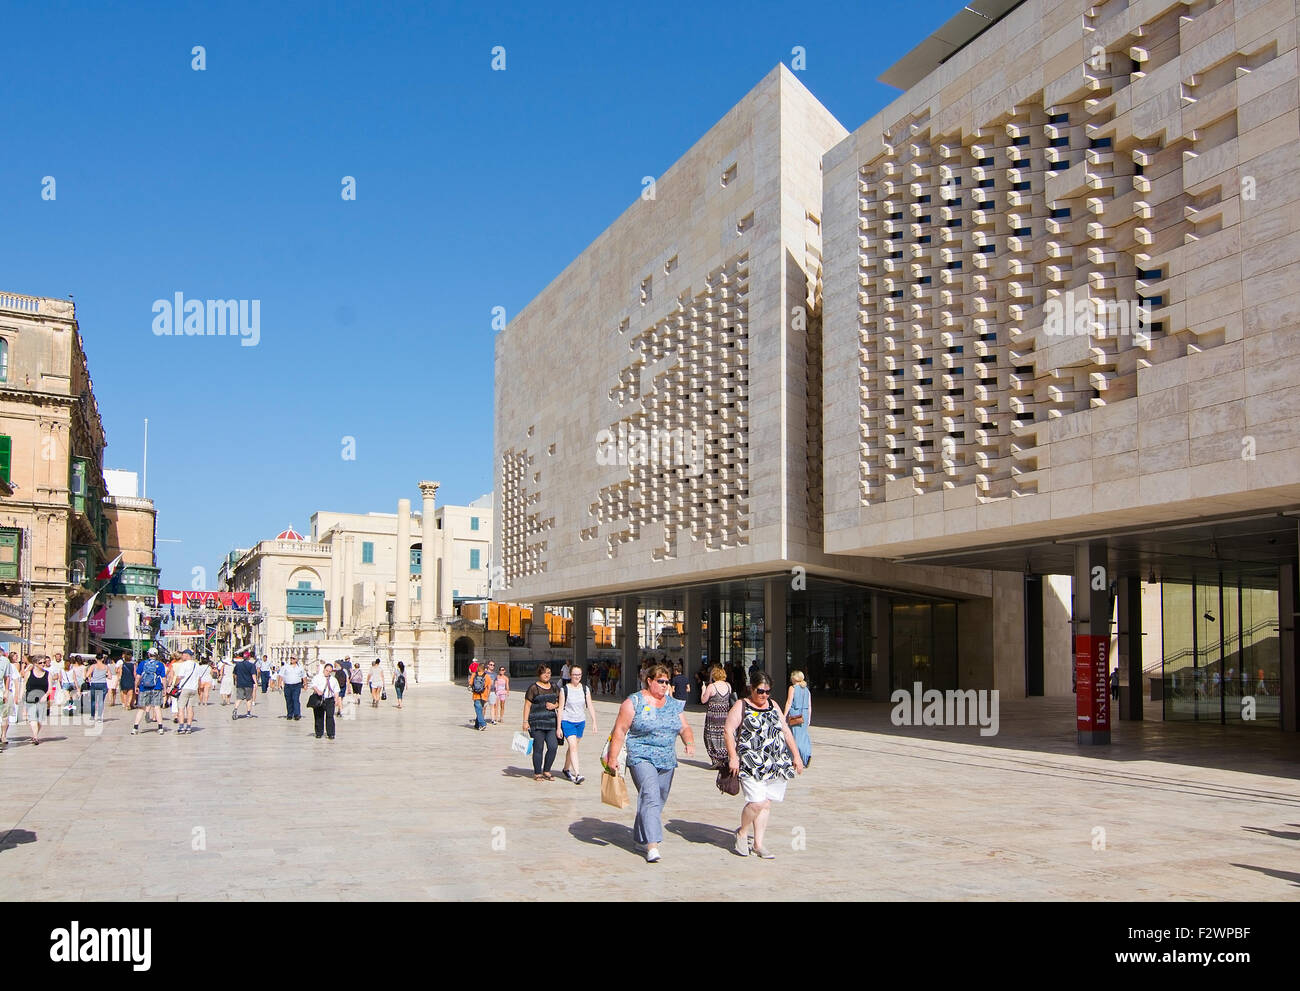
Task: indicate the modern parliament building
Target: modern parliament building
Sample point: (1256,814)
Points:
(1011,368)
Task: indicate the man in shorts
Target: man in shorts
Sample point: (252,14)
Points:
(185,676)
(245,680)
(151,677)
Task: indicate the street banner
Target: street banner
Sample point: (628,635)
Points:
(1092,688)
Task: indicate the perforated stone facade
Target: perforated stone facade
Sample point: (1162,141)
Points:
(1063,281)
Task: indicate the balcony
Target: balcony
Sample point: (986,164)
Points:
(305,603)
(137,579)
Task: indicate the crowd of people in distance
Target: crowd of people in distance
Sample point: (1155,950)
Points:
(49,689)
(753,740)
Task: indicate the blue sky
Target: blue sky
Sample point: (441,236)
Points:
(474,189)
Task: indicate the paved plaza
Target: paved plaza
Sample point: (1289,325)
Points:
(413,804)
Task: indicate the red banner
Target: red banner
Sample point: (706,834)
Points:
(1092,687)
(203,600)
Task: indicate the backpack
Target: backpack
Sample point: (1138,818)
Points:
(479,684)
(586,693)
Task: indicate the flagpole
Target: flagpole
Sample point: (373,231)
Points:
(144,486)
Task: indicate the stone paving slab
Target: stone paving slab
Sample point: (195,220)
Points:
(412,804)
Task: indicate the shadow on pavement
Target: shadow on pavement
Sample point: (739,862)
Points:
(1274,832)
(602,833)
(517,772)
(1281,875)
(702,832)
(16,837)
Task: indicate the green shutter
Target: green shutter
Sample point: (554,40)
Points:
(473,560)
(367,552)
(6,448)
(9,553)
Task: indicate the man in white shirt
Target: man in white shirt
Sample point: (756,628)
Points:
(291,675)
(185,676)
(327,688)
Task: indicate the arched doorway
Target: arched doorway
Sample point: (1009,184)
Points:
(464,652)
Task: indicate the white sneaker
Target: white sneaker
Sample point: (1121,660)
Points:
(652,856)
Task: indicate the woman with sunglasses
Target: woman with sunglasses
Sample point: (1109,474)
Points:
(650,722)
(762,749)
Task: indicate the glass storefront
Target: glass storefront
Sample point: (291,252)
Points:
(925,644)
(1222,659)
(829,638)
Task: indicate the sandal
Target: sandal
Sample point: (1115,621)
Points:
(537,777)
(548,776)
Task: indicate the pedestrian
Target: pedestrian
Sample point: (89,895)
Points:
(717,698)
(573,721)
(798,715)
(376,683)
(58,694)
(489,705)
(325,688)
(593,676)
(343,673)
(541,722)
(478,692)
(97,676)
(71,696)
(245,684)
(291,676)
(264,673)
(761,749)
(9,692)
(357,676)
(399,682)
(114,676)
(126,681)
(205,680)
(502,688)
(38,686)
(681,683)
(227,681)
(152,679)
(604,676)
(185,677)
(649,722)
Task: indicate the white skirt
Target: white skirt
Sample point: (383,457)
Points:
(762,791)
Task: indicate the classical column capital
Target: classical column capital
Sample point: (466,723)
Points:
(429,489)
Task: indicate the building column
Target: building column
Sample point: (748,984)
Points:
(345,614)
(1289,690)
(1092,632)
(430,603)
(334,610)
(882,652)
(692,631)
(774,605)
(629,680)
(581,624)
(1130,648)
(402,597)
(539,637)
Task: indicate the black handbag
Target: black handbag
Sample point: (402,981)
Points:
(728,783)
(313,701)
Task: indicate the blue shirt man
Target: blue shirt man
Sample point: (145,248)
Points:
(245,679)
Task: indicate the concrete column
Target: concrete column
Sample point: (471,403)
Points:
(882,635)
(693,636)
(430,604)
(581,624)
(1286,611)
(631,663)
(1092,618)
(774,662)
(334,610)
(402,597)
(1130,648)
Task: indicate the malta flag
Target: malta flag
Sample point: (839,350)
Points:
(83,614)
(109,569)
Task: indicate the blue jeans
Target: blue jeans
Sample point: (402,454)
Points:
(652,786)
(292,706)
(97,693)
(478,714)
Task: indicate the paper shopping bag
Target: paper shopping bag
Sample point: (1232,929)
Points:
(521,743)
(613,791)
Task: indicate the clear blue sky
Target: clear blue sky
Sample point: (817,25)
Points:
(474,189)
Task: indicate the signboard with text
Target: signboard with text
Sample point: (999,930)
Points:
(1092,688)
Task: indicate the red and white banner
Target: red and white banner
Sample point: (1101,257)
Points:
(203,600)
(1092,688)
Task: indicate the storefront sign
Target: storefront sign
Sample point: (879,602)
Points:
(1092,689)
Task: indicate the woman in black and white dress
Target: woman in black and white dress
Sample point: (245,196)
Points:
(762,749)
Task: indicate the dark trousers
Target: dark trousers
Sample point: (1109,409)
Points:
(324,717)
(266,681)
(292,701)
(543,738)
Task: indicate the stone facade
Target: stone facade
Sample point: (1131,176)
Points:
(994,239)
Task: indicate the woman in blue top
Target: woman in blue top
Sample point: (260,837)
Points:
(650,722)
(798,714)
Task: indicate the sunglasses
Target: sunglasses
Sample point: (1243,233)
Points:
(762,691)
(662,681)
